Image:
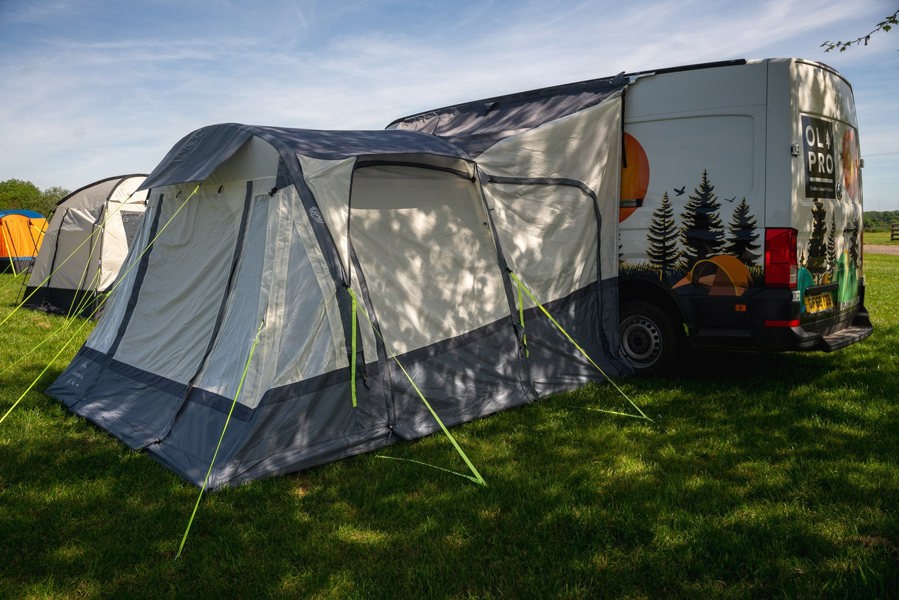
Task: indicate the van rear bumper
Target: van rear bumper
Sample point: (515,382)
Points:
(845,337)
(762,336)
(828,340)
(784,338)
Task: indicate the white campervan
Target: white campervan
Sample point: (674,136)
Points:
(740,223)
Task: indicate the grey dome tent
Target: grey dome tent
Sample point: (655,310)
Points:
(85,245)
(301,268)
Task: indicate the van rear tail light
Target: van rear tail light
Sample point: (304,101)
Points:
(780,258)
(789,323)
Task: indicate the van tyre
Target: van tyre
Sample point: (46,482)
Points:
(649,338)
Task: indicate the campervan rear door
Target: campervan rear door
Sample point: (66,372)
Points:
(826,194)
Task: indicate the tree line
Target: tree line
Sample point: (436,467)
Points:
(880,220)
(19,194)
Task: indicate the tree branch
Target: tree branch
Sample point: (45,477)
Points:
(884,25)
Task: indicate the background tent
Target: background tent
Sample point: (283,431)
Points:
(21,233)
(85,245)
(261,234)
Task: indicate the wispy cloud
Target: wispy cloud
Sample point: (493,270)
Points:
(89,91)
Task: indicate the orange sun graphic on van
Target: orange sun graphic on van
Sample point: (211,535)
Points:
(850,163)
(634,177)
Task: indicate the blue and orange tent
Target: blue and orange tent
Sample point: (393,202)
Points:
(21,233)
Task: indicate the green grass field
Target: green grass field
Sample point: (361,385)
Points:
(880,237)
(763,476)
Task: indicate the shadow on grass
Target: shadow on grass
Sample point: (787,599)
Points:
(764,475)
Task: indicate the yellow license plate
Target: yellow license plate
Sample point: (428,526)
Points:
(818,303)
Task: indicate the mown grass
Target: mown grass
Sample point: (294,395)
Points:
(762,476)
(880,237)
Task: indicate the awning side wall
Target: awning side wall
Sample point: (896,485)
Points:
(581,149)
(554,194)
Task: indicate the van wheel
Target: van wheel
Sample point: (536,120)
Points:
(649,338)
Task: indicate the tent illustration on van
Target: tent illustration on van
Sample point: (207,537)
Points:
(338,278)
(21,234)
(722,275)
(85,245)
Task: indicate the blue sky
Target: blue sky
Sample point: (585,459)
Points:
(95,88)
